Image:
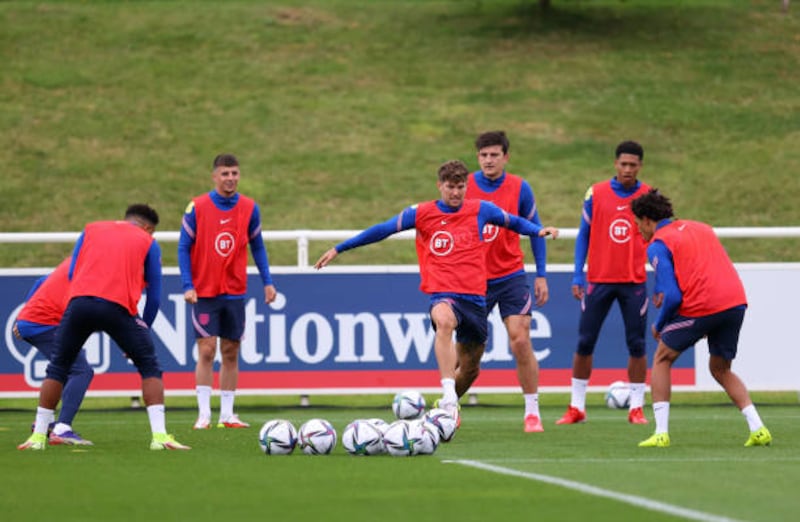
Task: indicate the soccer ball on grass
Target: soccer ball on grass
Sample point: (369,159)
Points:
(277,437)
(618,395)
(317,437)
(409,404)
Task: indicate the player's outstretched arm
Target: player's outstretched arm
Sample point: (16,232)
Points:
(549,231)
(326,258)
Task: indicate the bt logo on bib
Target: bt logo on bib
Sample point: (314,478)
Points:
(490,232)
(224,244)
(620,231)
(441,243)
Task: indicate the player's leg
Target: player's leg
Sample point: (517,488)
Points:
(595,305)
(205,319)
(723,340)
(444,322)
(134,338)
(232,322)
(633,303)
(679,334)
(80,376)
(76,326)
(661,383)
(519,336)
(514,300)
(468,366)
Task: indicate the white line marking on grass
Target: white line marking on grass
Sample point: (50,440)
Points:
(652,505)
(556,460)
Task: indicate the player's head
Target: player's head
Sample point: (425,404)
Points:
(492,138)
(454,171)
(143,215)
(492,153)
(653,205)
(452,182)
(648,209)
(628,162)
(225,160)
(226,174)
(629,147)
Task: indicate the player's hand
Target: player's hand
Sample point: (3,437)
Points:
(16,332)
(549,231)
(540,291)
(658,299)
(656,333)
(270,293)
(577,292)
(190,296)
(326,258)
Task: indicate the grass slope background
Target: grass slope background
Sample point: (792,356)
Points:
(341,110)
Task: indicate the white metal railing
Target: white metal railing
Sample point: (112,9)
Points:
(304,236)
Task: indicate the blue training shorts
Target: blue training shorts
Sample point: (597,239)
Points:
(722,330)
(219,317)
(596,303)
(513,296)
(86,315)
(472,325)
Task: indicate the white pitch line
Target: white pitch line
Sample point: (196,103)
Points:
(652,505)
(566,460)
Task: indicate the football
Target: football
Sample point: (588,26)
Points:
(361,437)
(618,395)
(429,437)
(400,440)
(316,437)
(408,405)
(443,422)
(277,437)
(379,423)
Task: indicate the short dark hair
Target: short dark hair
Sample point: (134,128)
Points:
(491,138)
(226,160)
(144,212)
(653,205)
(454,171)
(629,147)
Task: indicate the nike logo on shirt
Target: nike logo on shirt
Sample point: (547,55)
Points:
(223,221)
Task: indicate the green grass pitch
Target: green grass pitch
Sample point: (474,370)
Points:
(490,471)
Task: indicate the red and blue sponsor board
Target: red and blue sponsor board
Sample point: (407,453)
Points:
(332,332)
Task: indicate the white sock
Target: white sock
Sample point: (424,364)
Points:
(449,391)
(753,419)
(158,423)
(637,395)
(579,393)
(61,428)
(661,413)
(204,401)
(226,404)
(531,404)
(43,419)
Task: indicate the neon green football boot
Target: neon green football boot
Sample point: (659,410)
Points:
(760,437)
(657,440)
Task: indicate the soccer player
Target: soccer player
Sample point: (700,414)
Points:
(616,272)
(507,286)
(37,324)
(700,295)
(112,262)
(212,256)
(451,252)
